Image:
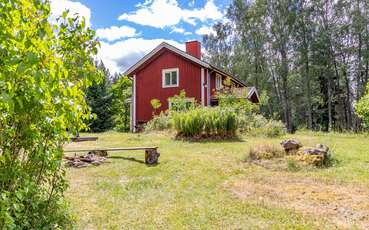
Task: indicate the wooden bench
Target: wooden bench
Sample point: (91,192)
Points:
(80,139)
(151,153)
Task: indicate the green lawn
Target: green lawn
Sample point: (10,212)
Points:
(207,185)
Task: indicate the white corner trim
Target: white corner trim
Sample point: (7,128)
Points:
(134,104)
(208,83)
(253,91)
(163,77)
(202,87)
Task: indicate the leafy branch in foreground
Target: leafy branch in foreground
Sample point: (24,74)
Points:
(43,71)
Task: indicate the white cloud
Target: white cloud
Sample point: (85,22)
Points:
(205,30)
(59,6)
(119,56)
(114,33)
(147,2)
(166,13)
(210,11)
(180,31)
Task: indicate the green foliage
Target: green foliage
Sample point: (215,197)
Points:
(206,122)
(161,122)
(258,125)
(229,98)
(248,120)
(181,102)
(99,98)
(362,108)
(274,128)
(122,91)
(44,70)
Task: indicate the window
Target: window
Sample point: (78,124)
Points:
(186,104)
(170,77)
(218,82)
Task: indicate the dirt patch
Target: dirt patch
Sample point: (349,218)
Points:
(343,205)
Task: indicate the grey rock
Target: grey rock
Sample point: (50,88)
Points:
(291,144)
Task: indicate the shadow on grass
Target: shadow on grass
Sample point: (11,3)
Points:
(133,160)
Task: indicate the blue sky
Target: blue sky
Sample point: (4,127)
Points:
(129,29)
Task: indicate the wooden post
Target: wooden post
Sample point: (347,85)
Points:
(151,156)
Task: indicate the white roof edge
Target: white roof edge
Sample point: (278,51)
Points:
(170,47)
(252,91)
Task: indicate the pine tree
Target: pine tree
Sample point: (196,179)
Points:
(99,98)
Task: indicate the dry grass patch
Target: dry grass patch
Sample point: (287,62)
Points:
(343,205)
(265,152)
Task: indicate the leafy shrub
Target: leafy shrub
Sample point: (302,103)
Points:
(265,151)
(155,104)
(260,126)
(44,70)
(274,128)
(206,122)
(160,122)
(181,102)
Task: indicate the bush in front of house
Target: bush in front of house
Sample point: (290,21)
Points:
(247,118)
(206,122)
(160,122)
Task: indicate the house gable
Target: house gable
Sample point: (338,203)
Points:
(159,49)
(149,82)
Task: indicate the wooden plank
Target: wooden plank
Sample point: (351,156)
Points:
(110,149)
(80,139)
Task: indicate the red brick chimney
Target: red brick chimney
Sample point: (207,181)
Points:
(194,48)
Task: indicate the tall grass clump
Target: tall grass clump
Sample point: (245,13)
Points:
(206,122)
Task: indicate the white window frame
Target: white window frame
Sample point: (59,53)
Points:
(218,82)
(187,99)
(164,71)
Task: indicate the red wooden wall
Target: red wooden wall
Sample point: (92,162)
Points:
(149,83)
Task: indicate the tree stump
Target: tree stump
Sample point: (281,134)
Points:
(151,156)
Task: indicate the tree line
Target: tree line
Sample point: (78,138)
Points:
(308,58)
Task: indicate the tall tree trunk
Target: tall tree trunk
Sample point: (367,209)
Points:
(329,103)
(348,100)
(359,76)
(308,92)
(307,79)
(286,101)
(366,57)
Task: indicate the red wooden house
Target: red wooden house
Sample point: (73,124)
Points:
(167,70)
